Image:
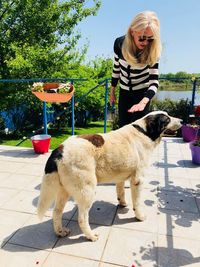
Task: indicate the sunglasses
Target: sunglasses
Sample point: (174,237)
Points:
(145,38)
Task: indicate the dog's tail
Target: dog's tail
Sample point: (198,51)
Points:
(48,192)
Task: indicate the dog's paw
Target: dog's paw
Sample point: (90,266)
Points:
(93,237)
(140,215)
(63,232)
(122,203)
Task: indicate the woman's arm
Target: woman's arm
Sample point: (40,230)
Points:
(112,96)
(152,90)
(115,74)
(153,81)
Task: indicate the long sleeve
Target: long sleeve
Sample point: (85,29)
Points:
(116,66)
(153,81)
(116,71)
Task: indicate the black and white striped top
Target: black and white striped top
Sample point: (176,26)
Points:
(144,79)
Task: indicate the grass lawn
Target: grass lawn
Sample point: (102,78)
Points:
(58,137)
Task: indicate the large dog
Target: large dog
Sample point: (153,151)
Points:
(77,165)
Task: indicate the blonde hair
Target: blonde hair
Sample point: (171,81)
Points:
(151,52)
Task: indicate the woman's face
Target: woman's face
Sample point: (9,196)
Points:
(142,38)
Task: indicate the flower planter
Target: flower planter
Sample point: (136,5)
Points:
(195,151)
(52,96)
(189,133)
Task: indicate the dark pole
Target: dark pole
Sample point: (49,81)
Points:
(105,105)
(72,105)
(193,95)
(45,117)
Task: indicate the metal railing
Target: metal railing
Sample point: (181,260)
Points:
(74,101)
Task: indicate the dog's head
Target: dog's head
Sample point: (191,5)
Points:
(155,123)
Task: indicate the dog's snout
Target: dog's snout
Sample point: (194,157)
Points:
(181,122)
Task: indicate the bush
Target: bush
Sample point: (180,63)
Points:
(179,109)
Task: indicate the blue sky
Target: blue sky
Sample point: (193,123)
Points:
(180,30)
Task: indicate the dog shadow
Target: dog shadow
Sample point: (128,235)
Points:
(41,235)
(120,212)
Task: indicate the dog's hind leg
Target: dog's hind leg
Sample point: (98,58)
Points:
(121,194)
(49,188)
(61,199)
(84,203)
(136,186)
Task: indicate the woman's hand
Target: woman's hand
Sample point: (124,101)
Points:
(140,106)
(112,96)
(137,107)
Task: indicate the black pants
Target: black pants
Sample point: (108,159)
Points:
(126,100)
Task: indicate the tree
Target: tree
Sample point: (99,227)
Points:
(37,34)
(38,38)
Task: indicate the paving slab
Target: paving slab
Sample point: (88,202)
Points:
(129,247)
(36,234)
(176,251)
(61,260)
(177,200)
(10,223)
(76,243)
(179,224)
(14,255)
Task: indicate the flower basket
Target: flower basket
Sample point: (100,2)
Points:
(195,152)
(189,132)
(49,92)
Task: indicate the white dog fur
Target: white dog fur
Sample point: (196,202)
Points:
(81,162)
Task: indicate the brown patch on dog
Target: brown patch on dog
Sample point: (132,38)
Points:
(60,148)
(96,139)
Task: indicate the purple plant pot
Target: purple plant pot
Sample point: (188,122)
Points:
(189,133)
(195,151)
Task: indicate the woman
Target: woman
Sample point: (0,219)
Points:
(136,67)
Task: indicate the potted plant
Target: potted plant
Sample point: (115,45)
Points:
(189,130)
(53,92)
(195,150)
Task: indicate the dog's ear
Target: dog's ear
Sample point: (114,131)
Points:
(156,124)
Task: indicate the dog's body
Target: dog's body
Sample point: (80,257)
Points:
(81,162)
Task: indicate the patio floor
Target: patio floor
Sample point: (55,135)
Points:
(170,236)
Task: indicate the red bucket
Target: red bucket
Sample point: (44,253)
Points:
(41,143)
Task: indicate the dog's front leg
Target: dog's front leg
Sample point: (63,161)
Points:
(136,187)
(121,194)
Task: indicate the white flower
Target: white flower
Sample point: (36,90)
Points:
(38,87)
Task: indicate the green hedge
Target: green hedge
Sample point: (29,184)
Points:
(179,109)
